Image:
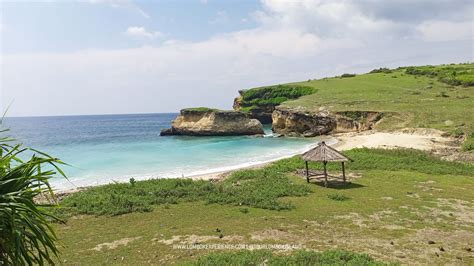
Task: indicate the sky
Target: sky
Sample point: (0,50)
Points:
(123,56)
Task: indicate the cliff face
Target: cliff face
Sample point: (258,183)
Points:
(213,123)
(291,122)
(301,123)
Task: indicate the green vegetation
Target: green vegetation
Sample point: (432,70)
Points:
(396,209)
(381,70)
(461,74)
(256,188)
(468,144)
(298,258)
(338,197)
(201,109)
(347,75)
(25,234)
(419,97)
(272,95)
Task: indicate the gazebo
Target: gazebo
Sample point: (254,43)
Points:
(323,153)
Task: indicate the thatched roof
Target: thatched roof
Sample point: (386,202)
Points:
(324,153)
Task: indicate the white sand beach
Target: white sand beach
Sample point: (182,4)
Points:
(420,139)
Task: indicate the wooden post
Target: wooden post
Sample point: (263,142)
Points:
(325,175)
(343,173)
(307,172)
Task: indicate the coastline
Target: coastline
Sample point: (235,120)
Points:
(421,139)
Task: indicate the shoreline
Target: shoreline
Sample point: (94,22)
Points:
(420,139)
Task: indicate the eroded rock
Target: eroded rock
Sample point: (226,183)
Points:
(211,122)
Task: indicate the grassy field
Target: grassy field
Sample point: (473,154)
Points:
(421,213)
(419,98)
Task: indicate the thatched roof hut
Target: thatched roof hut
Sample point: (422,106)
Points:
(323,153)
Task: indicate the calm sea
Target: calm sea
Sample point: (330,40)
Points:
(107,148)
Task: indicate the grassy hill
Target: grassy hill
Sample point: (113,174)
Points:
(414,96)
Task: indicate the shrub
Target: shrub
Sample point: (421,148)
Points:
(338,197)
(347,75)
(381,70)
(468,144)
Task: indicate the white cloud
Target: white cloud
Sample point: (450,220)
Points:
(368,20)
(141,32)
(446,30)
(294,41)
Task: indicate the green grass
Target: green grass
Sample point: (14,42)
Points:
(416,101)
(298,258)
(201,109)
(455,74)
(394,199)
(255,188)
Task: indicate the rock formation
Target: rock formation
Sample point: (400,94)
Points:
(300,122)
(290,122)
(208,122)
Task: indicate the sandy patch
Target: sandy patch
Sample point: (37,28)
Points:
(421,139)
(115,244)
(196,239)
(272,234)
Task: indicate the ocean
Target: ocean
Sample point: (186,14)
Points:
(114,148)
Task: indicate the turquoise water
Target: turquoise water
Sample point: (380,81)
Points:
(106,148)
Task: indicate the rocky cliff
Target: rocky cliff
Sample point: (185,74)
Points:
(291,122)
(208,122)
(300,122)
(262,113)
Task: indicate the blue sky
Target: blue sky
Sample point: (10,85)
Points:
(124,56)
(67,26)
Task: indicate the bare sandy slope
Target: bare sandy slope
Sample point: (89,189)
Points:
(421,139)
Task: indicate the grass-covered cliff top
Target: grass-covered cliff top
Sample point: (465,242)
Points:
(272,95)
(201,109)
(440,97)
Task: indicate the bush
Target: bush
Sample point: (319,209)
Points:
(273,95)
(338,197)
(381,70)
(468,144)
(347,75)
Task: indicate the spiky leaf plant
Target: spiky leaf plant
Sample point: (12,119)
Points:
(26,237)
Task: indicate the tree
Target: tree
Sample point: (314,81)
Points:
(26,237)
